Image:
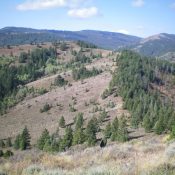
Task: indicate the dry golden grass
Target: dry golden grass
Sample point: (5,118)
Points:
(115,158)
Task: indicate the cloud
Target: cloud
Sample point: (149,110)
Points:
(138,3)
(46,4)
(124,31)
(83,12)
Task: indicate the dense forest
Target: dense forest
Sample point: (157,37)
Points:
(136,79)
(31,67)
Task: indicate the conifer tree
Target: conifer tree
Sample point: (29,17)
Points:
(114,129)
(68,137)
(17,142)
(78,136)
(79,121)
(43,139)
(25,139)
(91,131)
(147,123)
(122,130)
(159,126)
(62,122)
(107,131)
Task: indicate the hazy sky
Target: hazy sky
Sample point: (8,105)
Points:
(134,17)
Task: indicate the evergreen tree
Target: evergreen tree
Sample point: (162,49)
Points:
(68,137)
(159,127)
(62,122)
(48,146)
(17,142)
(25,139)
(43,139)
(79,121)
(107,131)
(114,129)
(122,130)
(78,136)
(91,131)
(147,124)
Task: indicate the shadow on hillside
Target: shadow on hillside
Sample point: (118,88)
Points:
(135,137)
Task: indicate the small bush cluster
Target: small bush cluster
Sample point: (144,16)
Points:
(45,108)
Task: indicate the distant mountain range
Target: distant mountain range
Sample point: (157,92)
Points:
(108,40)
(161,45)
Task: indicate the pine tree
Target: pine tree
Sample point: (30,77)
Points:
(68,137)
(147,123)
(2,144)
(48,146)
(43,139)
(62,122)
(25,139)
(79,121)
(91,131)
(17,142)
(78,136)
(107,131)
(159,127)
(122,130)
(114,129)
(8,142)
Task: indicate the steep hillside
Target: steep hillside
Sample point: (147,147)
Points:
(156,45)
(109,40)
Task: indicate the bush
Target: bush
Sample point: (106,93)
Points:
(62,122)
(60,81)
(8,153)
(46,108)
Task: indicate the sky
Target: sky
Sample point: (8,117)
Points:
(134,17)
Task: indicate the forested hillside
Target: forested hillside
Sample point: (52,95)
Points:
(137,79)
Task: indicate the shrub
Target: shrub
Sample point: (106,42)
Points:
(62,122)
(8,153)
(60,81)
(46,108)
